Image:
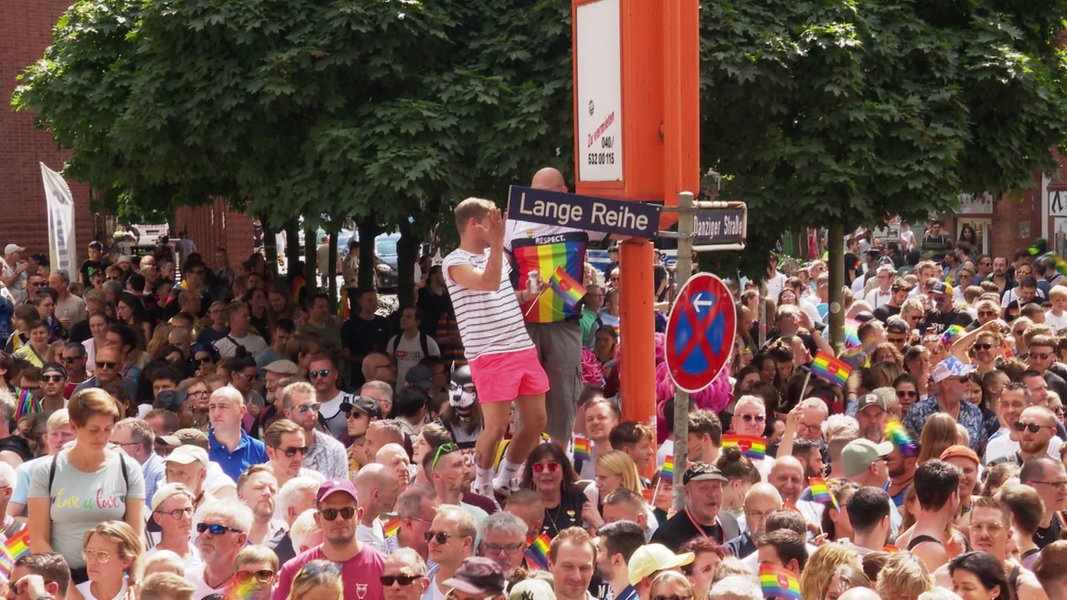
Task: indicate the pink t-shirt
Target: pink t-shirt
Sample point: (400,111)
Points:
(360,574)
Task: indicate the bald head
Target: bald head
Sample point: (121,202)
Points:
(395,458)
(370,477)
(763,492)
(860,593)
(549,178)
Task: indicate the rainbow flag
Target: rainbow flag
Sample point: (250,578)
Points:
(1061,264)
(6,564)
(567,287)
(752,446)
(890,548)
(832,369)
(667,471)
(391,526)
(896,432)
(18,545)
(567,254)
(581,448)
(778,582)
(820,492)
(852,333)
(537,550)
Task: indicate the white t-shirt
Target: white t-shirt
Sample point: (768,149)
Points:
(1057,323)
(85,589)
(196,577)
(251,343)
(408,352)
(877,297)
(489,322)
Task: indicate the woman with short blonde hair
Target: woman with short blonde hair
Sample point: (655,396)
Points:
(111,552)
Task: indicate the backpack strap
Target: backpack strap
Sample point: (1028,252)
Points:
(425,344)
(52,472)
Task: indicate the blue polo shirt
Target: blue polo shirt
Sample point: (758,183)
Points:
(249,451)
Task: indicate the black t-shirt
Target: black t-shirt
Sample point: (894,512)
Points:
(567,514)
(679,529)
(432,306)
(942,321)
(883,312)
(1046,535)
(89,268)
(361,336)
(659,274)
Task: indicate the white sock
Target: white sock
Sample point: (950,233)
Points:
(508,470)
(483,477)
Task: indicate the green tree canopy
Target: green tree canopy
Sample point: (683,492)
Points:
(848,112)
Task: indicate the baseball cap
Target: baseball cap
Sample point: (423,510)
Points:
(190,436)
(364,405)
(123,259)
(187,455)
(942,288)
(951,367)
(336,485)
(532,589)
(882,397)
(654,557)
(13,248)
(477,575)
(282,367)
(419,376)
(960,451)
(702,471)
(166,491)
(862,453)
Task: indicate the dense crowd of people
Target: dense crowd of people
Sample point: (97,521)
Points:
(226,434)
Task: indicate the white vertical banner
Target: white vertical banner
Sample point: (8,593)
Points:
(62,249)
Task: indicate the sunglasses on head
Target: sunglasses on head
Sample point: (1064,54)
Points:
(331,513)
(389,580)
(442,450)
(552,467)
(440,536)
(319,373)
(214,528)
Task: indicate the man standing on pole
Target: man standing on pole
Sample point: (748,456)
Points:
(503,360)
(554,324)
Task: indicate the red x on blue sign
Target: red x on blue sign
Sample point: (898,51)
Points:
(700,332)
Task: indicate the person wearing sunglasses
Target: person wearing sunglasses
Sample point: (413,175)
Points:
(404,576)
(450,539)
(255,571)
(73,359)
(361,565)
(286,447)
(549,472)
(221,533)
(109,362)
(951,377)
(53,384)
(324,454)
(1042,359)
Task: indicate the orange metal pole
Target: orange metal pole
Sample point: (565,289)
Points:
(637,382)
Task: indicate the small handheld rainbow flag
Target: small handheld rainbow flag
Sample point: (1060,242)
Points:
(890,548)
(666,473)
(778,582)
(896,432)
(568,288)
(581,448)
(391,526)
(752,446)
(18,545)
(820,492)
(6,564)
(852,333)
(830,368)
(537,550)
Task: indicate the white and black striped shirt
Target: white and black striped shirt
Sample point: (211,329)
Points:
(489,322)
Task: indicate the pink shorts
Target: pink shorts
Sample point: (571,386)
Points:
(504,377)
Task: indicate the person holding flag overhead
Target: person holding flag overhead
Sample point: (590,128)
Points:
(554,255)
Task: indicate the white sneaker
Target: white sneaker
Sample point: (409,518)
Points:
(484,489)
(505,489)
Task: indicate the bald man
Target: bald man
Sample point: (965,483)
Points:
(761,500)
(378,487)
(395,458)
(553,324)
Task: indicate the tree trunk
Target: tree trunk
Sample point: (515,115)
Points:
(407,251)
(331,273)
(310,243)
(368,229)
(836,259)
(292,247)
(270,249)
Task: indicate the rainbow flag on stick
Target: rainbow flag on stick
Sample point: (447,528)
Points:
(18,544)
(820,492)
(951,332)
(778,582)
(568,288)
(666,473)
(537,550)
(752,446)
(830,368)
(581,448)
(391,526)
